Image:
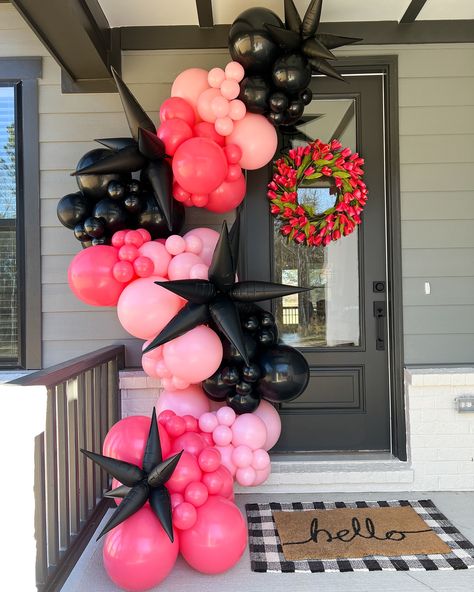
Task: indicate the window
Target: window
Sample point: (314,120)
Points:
(20,287)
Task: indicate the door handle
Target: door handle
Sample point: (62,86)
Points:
(380,313)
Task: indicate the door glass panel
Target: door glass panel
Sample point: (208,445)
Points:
(328,315)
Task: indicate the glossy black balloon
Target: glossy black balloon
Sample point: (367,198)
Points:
(132,203)
(99,241)
(95,186)
(215,388)
(307,96)
(112,213)
(251,373)
(80,233)
(278,102)
(251,323)
(245,403)
(72,209)
(115,190)
(255,92)
(133,186)
(291,73)
(243,388)
(230,375)
(94,227)
(250,43)
(285,373)
(231,353)
(295,110)
(276,118)
(267,319)
(267,337)
(151,217)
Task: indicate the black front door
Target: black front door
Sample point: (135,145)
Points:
(341,325)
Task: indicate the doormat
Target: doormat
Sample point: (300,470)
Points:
(355,536)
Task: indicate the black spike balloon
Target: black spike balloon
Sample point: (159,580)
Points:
(140,485)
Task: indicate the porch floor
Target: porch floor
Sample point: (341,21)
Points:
(89,575)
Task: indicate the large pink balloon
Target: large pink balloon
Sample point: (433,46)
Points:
(194,356)
(257,139)
(90,276)
(217,540)
(227,196)
(159,255)
(189,85)
(127,438)
(187,471)
(189,401)
(137,553)
(209,240)
(199,165)
(271,418)
(249,430)
(144,308)
(173,132)
(177,108)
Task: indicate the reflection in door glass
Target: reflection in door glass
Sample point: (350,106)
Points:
(328,315)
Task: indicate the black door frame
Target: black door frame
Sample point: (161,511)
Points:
(388,66)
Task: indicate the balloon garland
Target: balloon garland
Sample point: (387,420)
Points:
(318,160)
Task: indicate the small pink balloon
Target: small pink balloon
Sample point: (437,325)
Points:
(242,456)
(193,244)
(176,499)
(199,201)
(149,366)
(226,457)
(145,234)
(226,416)
(230,89)
(173,133)
(162,369)
(133,237)
(213,481)
(227,196)
(228,483)
(207,438)
(118,238)
(220,107)
(261,459)
(196,494)
(191,401)
(158,255)
(224,126)
(189,85)
(209,460)
(123,271)
(179,383)
(204,129)
(234,172)
(191,423)
(271,418)
(208,422)
(175,426)
(128,253)
(189,441)
(187,470)
(163,416)
(237,109)
(216,77)
(249,430)
(233,153)
(199,272)
(143,266)
(175,244)
(204,104)
(179,193)
(262,476)
(245,476)
(184,516)
(234,71)
(167,384)
(177,108)
(181,265)
(222,435)
(209,240)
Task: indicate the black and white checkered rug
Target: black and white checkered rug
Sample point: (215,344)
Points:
(266,553)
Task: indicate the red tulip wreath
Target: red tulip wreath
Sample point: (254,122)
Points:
(318,160)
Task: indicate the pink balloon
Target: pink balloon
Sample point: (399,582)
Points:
(262,476)
(189,441)
(144,308)
(123,271)
(199,200)
(173,132)
(220,107)
(230,89)
(227,196)
(196,494)
(176,499)
(226,457)
(177,108)
(222,435)
(217,540)
(191,424)
(187,470)
(143,266)
(261,459)
(184,515)
(209,240)
(133,237)
(194,356)
(242,456)
(204,129)
(191,401)
(193,245)
(199,272)
(158,255)
(237,110)
(128,253)
(224,126)
(150,367)
(227,489)
(245,476)
(137,553)
(199,165)
(214,482)
(234,71)
(118,238)
(179,193)
(175,244)
(178,383)
(257,139)
(91,278)
(249,430)
(208,422)
(209,460)
(145,234)
(181,265)
(204,104)
(189,85)
(226,416)
(127,438)
(216,77)
(271,418)
(233,153)
(234,173)
(175,426)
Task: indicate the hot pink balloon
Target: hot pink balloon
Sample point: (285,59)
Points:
(224,126)
(234,71)
(227,196)
(230,89)
(217,540)
(214,482)
(199,165)
(177,108)
(257,139)
(209,460)
(209,240)
(194,356)
(237,110)
(189,441)
(159,256)
(271,418)
(189,85)
(187,470)
(184,515)
(137,553)
(249,430)
(234,173)
(204,104)
(227,489)
(181,265)
(144,308)
(173,133)
(191,401)
(196,494)
(91,278)
(226,457)
(204,129)
(216,77)
(123,272)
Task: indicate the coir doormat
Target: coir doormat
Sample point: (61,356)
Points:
(358,536)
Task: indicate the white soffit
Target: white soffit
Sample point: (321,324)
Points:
(435,10)
(136,13)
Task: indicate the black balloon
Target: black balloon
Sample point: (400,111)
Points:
(230,376)
(112,213)
(277,118)
(94,227)
(116,190)
(251,373)
(285,373)
(267,337)
(295,110)
(251,324)
(243,403)
(232,354)
(95,186)
(307,96)
(278,102)
(151,217)
(291,73)
(254,92)
(72,209)
(80,233)
(215,388)
(99,241)
(250,43)
(132,203)
(133,186)
(267,319)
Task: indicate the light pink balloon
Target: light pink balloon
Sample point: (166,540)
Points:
(193,245)
(257,139)
(249,430)
(208,422)
(216,77)
(237,110)
(209,240)
(175,244)
(222,435)
(234,71)
(149,366)
(226,416)
(262,476)
(158,254)
(204,104)
(144,308)
(220,107)
(181,265)
(271,418)
(199,272)
(242,457)
(261,459)
(226,458)
(230,89)
(162,369)
(246,476)
(179,383)
(191,401)
(189,85)
(224,126)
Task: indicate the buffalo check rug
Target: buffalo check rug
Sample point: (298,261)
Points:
(361,526)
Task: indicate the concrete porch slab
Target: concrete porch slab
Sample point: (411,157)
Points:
(89,575)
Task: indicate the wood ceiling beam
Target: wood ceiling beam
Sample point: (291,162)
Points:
(204,10)
(412,11)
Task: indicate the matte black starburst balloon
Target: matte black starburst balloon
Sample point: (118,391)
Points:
(143,151)
(301,36)
(141,485)
(216,299)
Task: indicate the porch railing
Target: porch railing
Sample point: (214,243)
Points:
(82,403)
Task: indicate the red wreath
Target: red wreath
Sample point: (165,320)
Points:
(305,163)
